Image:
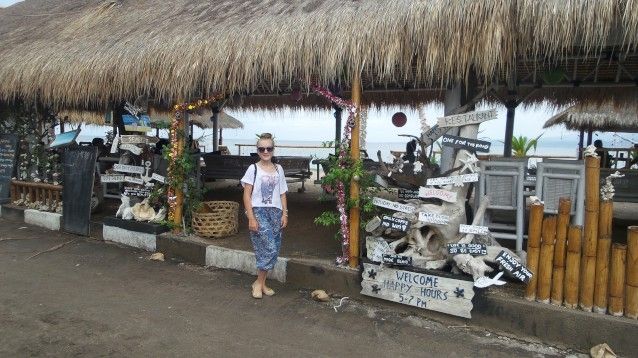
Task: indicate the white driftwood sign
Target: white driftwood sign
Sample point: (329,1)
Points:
(433,134)
(379,180)
(430,218)
(474,229)
(131,169)
(440,294)
(465,119)
(111,178)
(133,180)
(138,139)
(392,205)
(158,178)
(465,178)
(444,195)
(131,148)
(407,194)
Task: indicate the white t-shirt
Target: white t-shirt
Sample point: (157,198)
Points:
(268,187)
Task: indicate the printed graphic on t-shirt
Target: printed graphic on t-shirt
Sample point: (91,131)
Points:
(268,183)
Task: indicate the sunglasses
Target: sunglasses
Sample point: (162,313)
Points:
(265,149)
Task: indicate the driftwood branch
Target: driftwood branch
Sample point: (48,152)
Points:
(56,247)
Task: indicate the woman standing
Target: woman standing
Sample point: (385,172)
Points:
(267,210)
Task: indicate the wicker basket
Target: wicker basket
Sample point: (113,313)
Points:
(216,219)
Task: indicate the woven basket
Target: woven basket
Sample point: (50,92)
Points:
(216,219)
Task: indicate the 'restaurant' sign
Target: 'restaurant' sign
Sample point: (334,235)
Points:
(465,119)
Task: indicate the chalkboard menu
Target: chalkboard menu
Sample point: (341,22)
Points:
(8,149)
(79,172)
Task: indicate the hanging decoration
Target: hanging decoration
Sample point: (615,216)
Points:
(343,153)
(399,119)
(363,124)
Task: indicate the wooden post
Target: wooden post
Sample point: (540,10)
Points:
(178,146)
(592,204)
(354,184)
(572,266)
(602,256)
(631,288)
(545,261)
(534,248)
(558,275)
(617,279)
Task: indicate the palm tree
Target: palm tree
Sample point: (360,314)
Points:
(521,145)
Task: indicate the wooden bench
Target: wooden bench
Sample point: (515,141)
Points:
(296,169)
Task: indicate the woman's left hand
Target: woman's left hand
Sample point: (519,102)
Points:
(284,221)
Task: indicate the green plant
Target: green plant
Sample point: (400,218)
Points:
(521,145)
(183,177)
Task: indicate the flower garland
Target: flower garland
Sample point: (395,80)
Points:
(343,153)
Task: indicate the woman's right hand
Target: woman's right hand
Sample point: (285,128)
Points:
(253,225)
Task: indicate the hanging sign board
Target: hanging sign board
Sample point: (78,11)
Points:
(465,178)
(111,178)
(511,265)
(474,229)
(131,148)
(430,218)
(8,149)
(406,194)
(445,195)
(440,294)
(472,145)
(138,139)
(471,249)
(465,119)
(397,260)
(392,205)
(131,169)
(139,192)
(433,134)
(158,178)
(394,223)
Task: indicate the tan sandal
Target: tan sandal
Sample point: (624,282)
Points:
(256,291)
(268,291)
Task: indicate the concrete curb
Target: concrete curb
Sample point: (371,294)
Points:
(129,238)
(47,220)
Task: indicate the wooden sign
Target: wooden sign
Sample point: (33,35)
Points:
(444,195)
(79,173)
(158,178)
(440,294)
(111,178)
(465,178)
(376,247)
(433,134)
(406,194)
(133,180)
(465,119)
(138,139)
(397,260)
(430,218)
(395,223)
(511,265)
(474,229)
(8,149)
(139,192)
(131,148)
(472,145)
(392,205)
(131,169)
(471,249)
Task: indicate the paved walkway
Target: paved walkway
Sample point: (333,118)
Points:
(89,298)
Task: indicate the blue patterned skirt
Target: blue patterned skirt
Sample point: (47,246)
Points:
(267,240)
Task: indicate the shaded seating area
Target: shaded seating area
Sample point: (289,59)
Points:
(216,166)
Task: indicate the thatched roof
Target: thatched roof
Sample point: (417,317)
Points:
(604,118)
(88,52)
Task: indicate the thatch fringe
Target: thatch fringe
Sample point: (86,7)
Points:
(89,53)
(610,117)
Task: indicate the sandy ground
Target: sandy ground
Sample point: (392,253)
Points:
(93,299)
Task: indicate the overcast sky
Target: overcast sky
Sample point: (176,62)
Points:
(5,3)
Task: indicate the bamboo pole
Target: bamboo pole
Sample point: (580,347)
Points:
(546,258)
(534,247)
(572,266)
(617,279)
(631,273)
(558,274)
(178,133)
(601,281)
(354,184)
(592,204)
